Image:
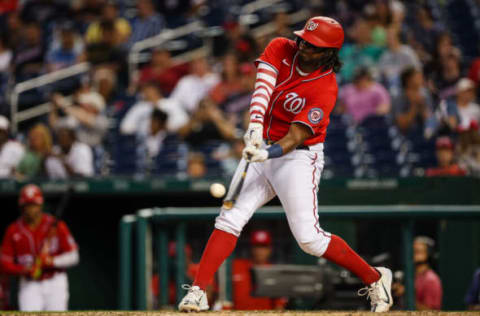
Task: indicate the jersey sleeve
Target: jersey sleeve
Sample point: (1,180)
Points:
(67,242)
(7,255)
(274,53)
(316,114)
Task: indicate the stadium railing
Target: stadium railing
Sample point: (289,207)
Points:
(135,232)
(20,116)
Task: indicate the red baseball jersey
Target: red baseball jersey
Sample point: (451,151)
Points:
(22,244)
(306,99)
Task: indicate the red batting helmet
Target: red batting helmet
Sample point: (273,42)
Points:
(322,31)
(260,238)
(30,194)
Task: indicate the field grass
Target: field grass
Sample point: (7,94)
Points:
(240,313)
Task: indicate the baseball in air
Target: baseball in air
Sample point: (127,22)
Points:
(217,190)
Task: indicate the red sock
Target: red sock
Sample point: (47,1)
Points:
(340,253)
(219,247)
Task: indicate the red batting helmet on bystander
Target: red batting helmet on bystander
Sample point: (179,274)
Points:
(322,31)
(260,238)
(30,194)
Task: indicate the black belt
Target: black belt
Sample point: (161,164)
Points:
(301,147)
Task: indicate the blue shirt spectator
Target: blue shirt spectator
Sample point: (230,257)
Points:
(66,54)
(148,23)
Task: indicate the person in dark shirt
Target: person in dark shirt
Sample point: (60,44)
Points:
(30,55)
(472,298)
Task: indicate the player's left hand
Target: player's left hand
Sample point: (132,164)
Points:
(253,154)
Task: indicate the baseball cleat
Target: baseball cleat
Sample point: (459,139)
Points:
(379,293)
(194,301)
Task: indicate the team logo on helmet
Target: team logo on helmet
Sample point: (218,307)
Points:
(315,115)
(293,103)
(311,26)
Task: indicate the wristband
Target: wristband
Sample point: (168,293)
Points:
(275,151)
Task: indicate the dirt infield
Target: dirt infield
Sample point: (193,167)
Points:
(243,313)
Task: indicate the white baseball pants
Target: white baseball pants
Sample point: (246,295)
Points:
(45,295)
(294,177)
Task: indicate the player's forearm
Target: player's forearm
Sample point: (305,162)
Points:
(294,138)
(264,85)
(12,268)
(66,260)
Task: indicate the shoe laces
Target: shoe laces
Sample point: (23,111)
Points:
(195,290)
(371,292)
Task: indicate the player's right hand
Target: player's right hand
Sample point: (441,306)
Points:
(254,135)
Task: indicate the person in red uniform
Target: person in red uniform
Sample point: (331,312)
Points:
(295,92)
(445,158)
(38,249)
(261,250)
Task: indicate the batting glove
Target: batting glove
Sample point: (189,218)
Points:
(254,135)
(253,154)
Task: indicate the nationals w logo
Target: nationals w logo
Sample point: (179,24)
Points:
(293,103)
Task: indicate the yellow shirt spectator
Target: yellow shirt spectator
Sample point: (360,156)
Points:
(94,31)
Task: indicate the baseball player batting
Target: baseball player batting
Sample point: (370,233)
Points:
(295,91)
(38,248)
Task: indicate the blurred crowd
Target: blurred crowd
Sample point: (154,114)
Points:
(407,98)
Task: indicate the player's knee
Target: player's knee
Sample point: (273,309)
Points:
(317,247)
(229,223)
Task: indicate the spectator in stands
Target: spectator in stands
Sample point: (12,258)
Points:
(395,59)
(361,53)
(109,13)
(163,70)
(235,38)
(260,251)
(151,144)
(364,97)
(6,7)
(230,82)
(474,71)
(147,23)
(428,286)
(442,82)
(105,83)
(5,56)
(281,22)
(11,152)
(107,50)
(424,31)
(86,115)
(466,105)
(237,105)
(30,54)
(469,149)
(13,30)
(206,124)
(196,166)
(230,155)
(71,158)
(443,48)
(194,87)
(137,119)
(413,107)
(445,160)
(472,298)
(66,54)
(39,147)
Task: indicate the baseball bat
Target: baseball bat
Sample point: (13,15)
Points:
(51,231)
(235,188)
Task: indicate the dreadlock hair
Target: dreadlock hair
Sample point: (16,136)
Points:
(330,58)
